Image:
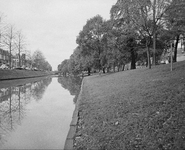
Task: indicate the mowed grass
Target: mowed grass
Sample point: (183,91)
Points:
(141,109)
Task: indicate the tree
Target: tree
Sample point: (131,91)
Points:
(89,40)
(28,58)
(63,67)
(175,21)
(9,41)
(122,14)
(145,17)
(75,62)
(20,44)
(2,29)
(38,60)
(159,8)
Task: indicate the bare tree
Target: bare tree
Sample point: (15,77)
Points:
(20,44)
(9,42)
(2,29)
(28,58)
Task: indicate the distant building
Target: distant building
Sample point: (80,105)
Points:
(15,60)
(4,56)
(23,59)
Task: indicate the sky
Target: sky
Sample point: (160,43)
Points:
(52,26)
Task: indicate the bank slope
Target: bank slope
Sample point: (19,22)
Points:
(20,74)
(138,109)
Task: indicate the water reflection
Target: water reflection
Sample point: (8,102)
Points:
(72,84)
(13,101)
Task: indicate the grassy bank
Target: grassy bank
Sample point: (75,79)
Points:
(19,74)
(140,109)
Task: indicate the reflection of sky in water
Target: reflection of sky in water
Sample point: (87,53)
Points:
(34,117)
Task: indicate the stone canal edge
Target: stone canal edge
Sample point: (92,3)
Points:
(73,125)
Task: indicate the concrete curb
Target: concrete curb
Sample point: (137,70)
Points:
(73,125)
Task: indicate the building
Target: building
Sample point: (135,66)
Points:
(4,57)
(15,61)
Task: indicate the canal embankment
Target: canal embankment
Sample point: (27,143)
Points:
(21,74)
(70,142)
(137,109)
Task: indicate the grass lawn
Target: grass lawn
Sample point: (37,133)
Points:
(141,109)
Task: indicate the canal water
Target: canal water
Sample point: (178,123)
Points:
(36,113)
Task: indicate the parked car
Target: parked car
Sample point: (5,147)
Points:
(4,66)
(27,68)
(35,69)
(19,68)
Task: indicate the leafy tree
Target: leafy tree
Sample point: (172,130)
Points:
(121,14)
(89,40)
(75,62)
(159,8)
(63,67)
(38,59)
(40,62)
(142,16)
(175,21)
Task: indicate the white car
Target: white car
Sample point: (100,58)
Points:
(3,66)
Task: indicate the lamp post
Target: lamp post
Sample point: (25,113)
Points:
(172,45)
(184,42)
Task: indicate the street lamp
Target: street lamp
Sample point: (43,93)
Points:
(184,42)
(172,45)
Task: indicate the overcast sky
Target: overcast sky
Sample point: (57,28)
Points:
(53,25)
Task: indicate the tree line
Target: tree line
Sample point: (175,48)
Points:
(138,31)
(14,41)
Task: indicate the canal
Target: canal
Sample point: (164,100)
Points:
(36,113)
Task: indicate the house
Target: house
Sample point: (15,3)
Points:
(4,56)
(15,60)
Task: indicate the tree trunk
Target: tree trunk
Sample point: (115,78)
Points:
(19,59)
(154,33)
(10,57)
(175,51)
(103,69)
(114,67)
(123,67)
(148,57)
(154,49)
(133,61)
(108,69)
(89,71)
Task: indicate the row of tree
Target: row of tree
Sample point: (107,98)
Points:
(15,43)
(137,31)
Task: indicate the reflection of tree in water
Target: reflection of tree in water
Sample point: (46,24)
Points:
(13,101)
(72,84)
(40,87)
